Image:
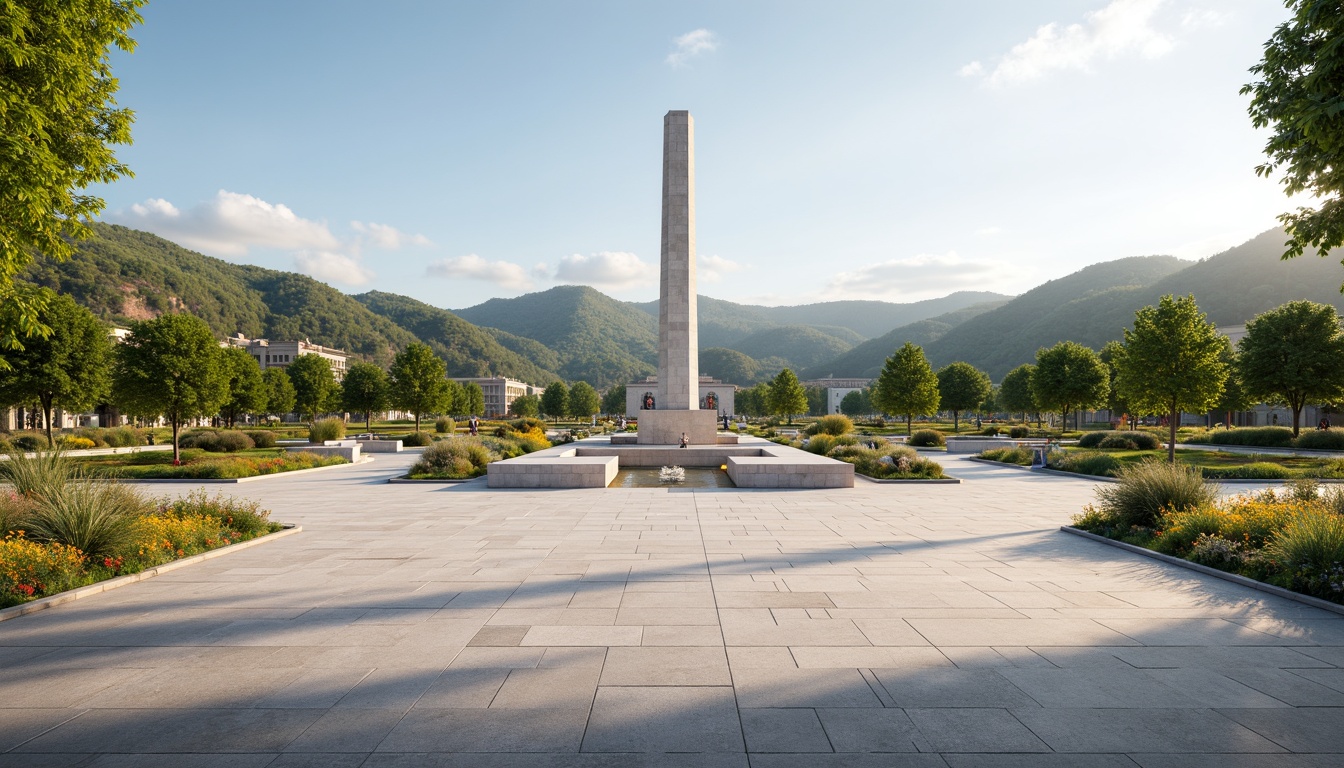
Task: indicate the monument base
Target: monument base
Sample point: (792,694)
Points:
(667,427)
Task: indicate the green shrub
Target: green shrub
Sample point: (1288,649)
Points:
(990,431)
(1259,470)
(1085,463)
(416,439)
(888,462)
(95,436)
(1117,443)
(123,437)
(454,458)
(30,441)
(326,429)
(246,517)
(1018,432)
(443,425)
(1148,489)
(216,441)
(926,438)
(527,424)
(1321,440)
(1013,455)
(835,424)
(1264,437)
(1092,439)
(73,443)
(261,438)
(503,447)
(97,518)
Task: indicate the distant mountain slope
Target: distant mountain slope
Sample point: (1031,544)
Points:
(124,274)
(799,345)
(867,359)
(467,349)
(723,323)
(597,338)
(1094,306)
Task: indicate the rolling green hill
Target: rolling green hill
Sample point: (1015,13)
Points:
(597,338)
(867,359)
(123,275)
(467,349)
(799,346)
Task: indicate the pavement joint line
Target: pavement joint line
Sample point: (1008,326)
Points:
(1287,594)
(45,731)
(97,588)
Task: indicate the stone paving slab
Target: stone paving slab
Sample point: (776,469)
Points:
(949,626)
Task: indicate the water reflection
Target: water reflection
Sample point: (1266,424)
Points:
(696,477)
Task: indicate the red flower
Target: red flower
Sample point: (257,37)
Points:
(24,589)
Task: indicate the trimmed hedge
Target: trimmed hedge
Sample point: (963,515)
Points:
(1260,437)
(1129,440)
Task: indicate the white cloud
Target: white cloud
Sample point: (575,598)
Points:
(921,276)
(611,269)
(711,269)
(333,267)
(230,224)
(989,231)
(385,237)
(690,45)
(1122,28)
(472,267)
(974,69)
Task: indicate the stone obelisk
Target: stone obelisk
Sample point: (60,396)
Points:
(677,409)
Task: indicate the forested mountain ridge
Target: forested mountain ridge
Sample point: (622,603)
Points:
(867,359)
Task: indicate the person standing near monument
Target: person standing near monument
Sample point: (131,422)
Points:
(683,440)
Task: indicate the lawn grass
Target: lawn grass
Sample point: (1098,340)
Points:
(1217,465)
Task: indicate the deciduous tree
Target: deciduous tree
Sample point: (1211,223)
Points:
(58,123)
(855,403)
(364,390)
(555,400)
(1069,376)
(315,387)
(907,385)
(525,406)
(473,399)
(1300,97)
(613,401)
(1293,355)
(170,366)
(1171,362)
(417,382)
(1015,391)
(962,387)
(67,369)
(247,390)
(787,397)
(279,392)
(583,400)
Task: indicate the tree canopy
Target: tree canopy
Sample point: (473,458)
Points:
(613,400)
(1293,355)
(170,366)
(787,396)
(1015,391)
(247,390)
(526,405)
(279,392)
(472,401)
(58,122)
(555,400)
(962,387)
(364,390)
(1069,376)
(315,387)
(583,400)
(417,382)
(67,369)
(1171,362)
(907,385)
(1300,96)
(856,403)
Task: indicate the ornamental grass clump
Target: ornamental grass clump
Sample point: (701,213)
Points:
(1263,437)
(1019,454)
(216,440)
(454,458)
(445,425)
(1096,463)
(1310,550)
(326,429)
(36,475)
(1321,440)
(417,439)
(835,424)
(890,462)
(94,517)
(926,438)
(262,438)
(1149,488)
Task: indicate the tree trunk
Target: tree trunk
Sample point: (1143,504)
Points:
(417,421)
(46,414)
(956,428)
(907,425)
(1172,419)
(177,455)
(368,422)
(1297,417)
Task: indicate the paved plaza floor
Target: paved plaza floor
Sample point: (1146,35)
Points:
(885,625)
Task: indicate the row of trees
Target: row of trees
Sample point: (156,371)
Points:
(173,367)
(558,401)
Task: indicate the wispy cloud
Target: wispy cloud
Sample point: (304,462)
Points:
(690,45)
(1122,28)
(505,274)
(711,269)
(231,224)
(609,269)
(332,267)
(919,276)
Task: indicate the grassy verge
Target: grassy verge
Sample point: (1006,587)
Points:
(1212,465)
(200,465)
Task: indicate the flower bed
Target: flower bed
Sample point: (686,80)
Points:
(459,457)
(200,465)
(1291,538)
(121,531)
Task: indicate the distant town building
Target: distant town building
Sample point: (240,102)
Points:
(714,395)
(279,354)
(500,392)
(836,389)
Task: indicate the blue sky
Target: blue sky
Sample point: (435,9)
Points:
(456,152)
